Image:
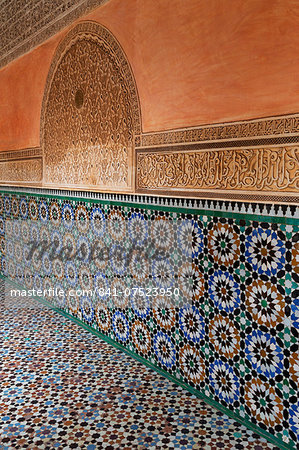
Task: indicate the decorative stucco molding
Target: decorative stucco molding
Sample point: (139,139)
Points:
(245,171)
(25,24)
(21,154)
(90,113)
(247,129)
(21,172)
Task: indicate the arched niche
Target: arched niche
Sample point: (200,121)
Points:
(90,113)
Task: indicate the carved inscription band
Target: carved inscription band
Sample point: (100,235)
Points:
(267,127)
(21,167)
(250,169)
(21,172)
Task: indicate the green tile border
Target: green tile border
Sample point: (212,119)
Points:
(162,372)
(177,209)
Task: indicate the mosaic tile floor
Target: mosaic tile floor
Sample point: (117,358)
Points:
(63,387)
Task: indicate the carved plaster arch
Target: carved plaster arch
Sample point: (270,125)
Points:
(90,113)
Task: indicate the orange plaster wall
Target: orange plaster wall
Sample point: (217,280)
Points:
(21,91)
(195,62)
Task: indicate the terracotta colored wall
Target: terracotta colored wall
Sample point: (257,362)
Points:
(195,62)
(21,91)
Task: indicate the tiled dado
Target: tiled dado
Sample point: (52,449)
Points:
(235,342)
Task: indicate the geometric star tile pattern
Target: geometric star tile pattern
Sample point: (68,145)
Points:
(64,388)
(231,333)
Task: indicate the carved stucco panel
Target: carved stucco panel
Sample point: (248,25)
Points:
(269,127)
(89,113)
(22,171)
(253,169)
